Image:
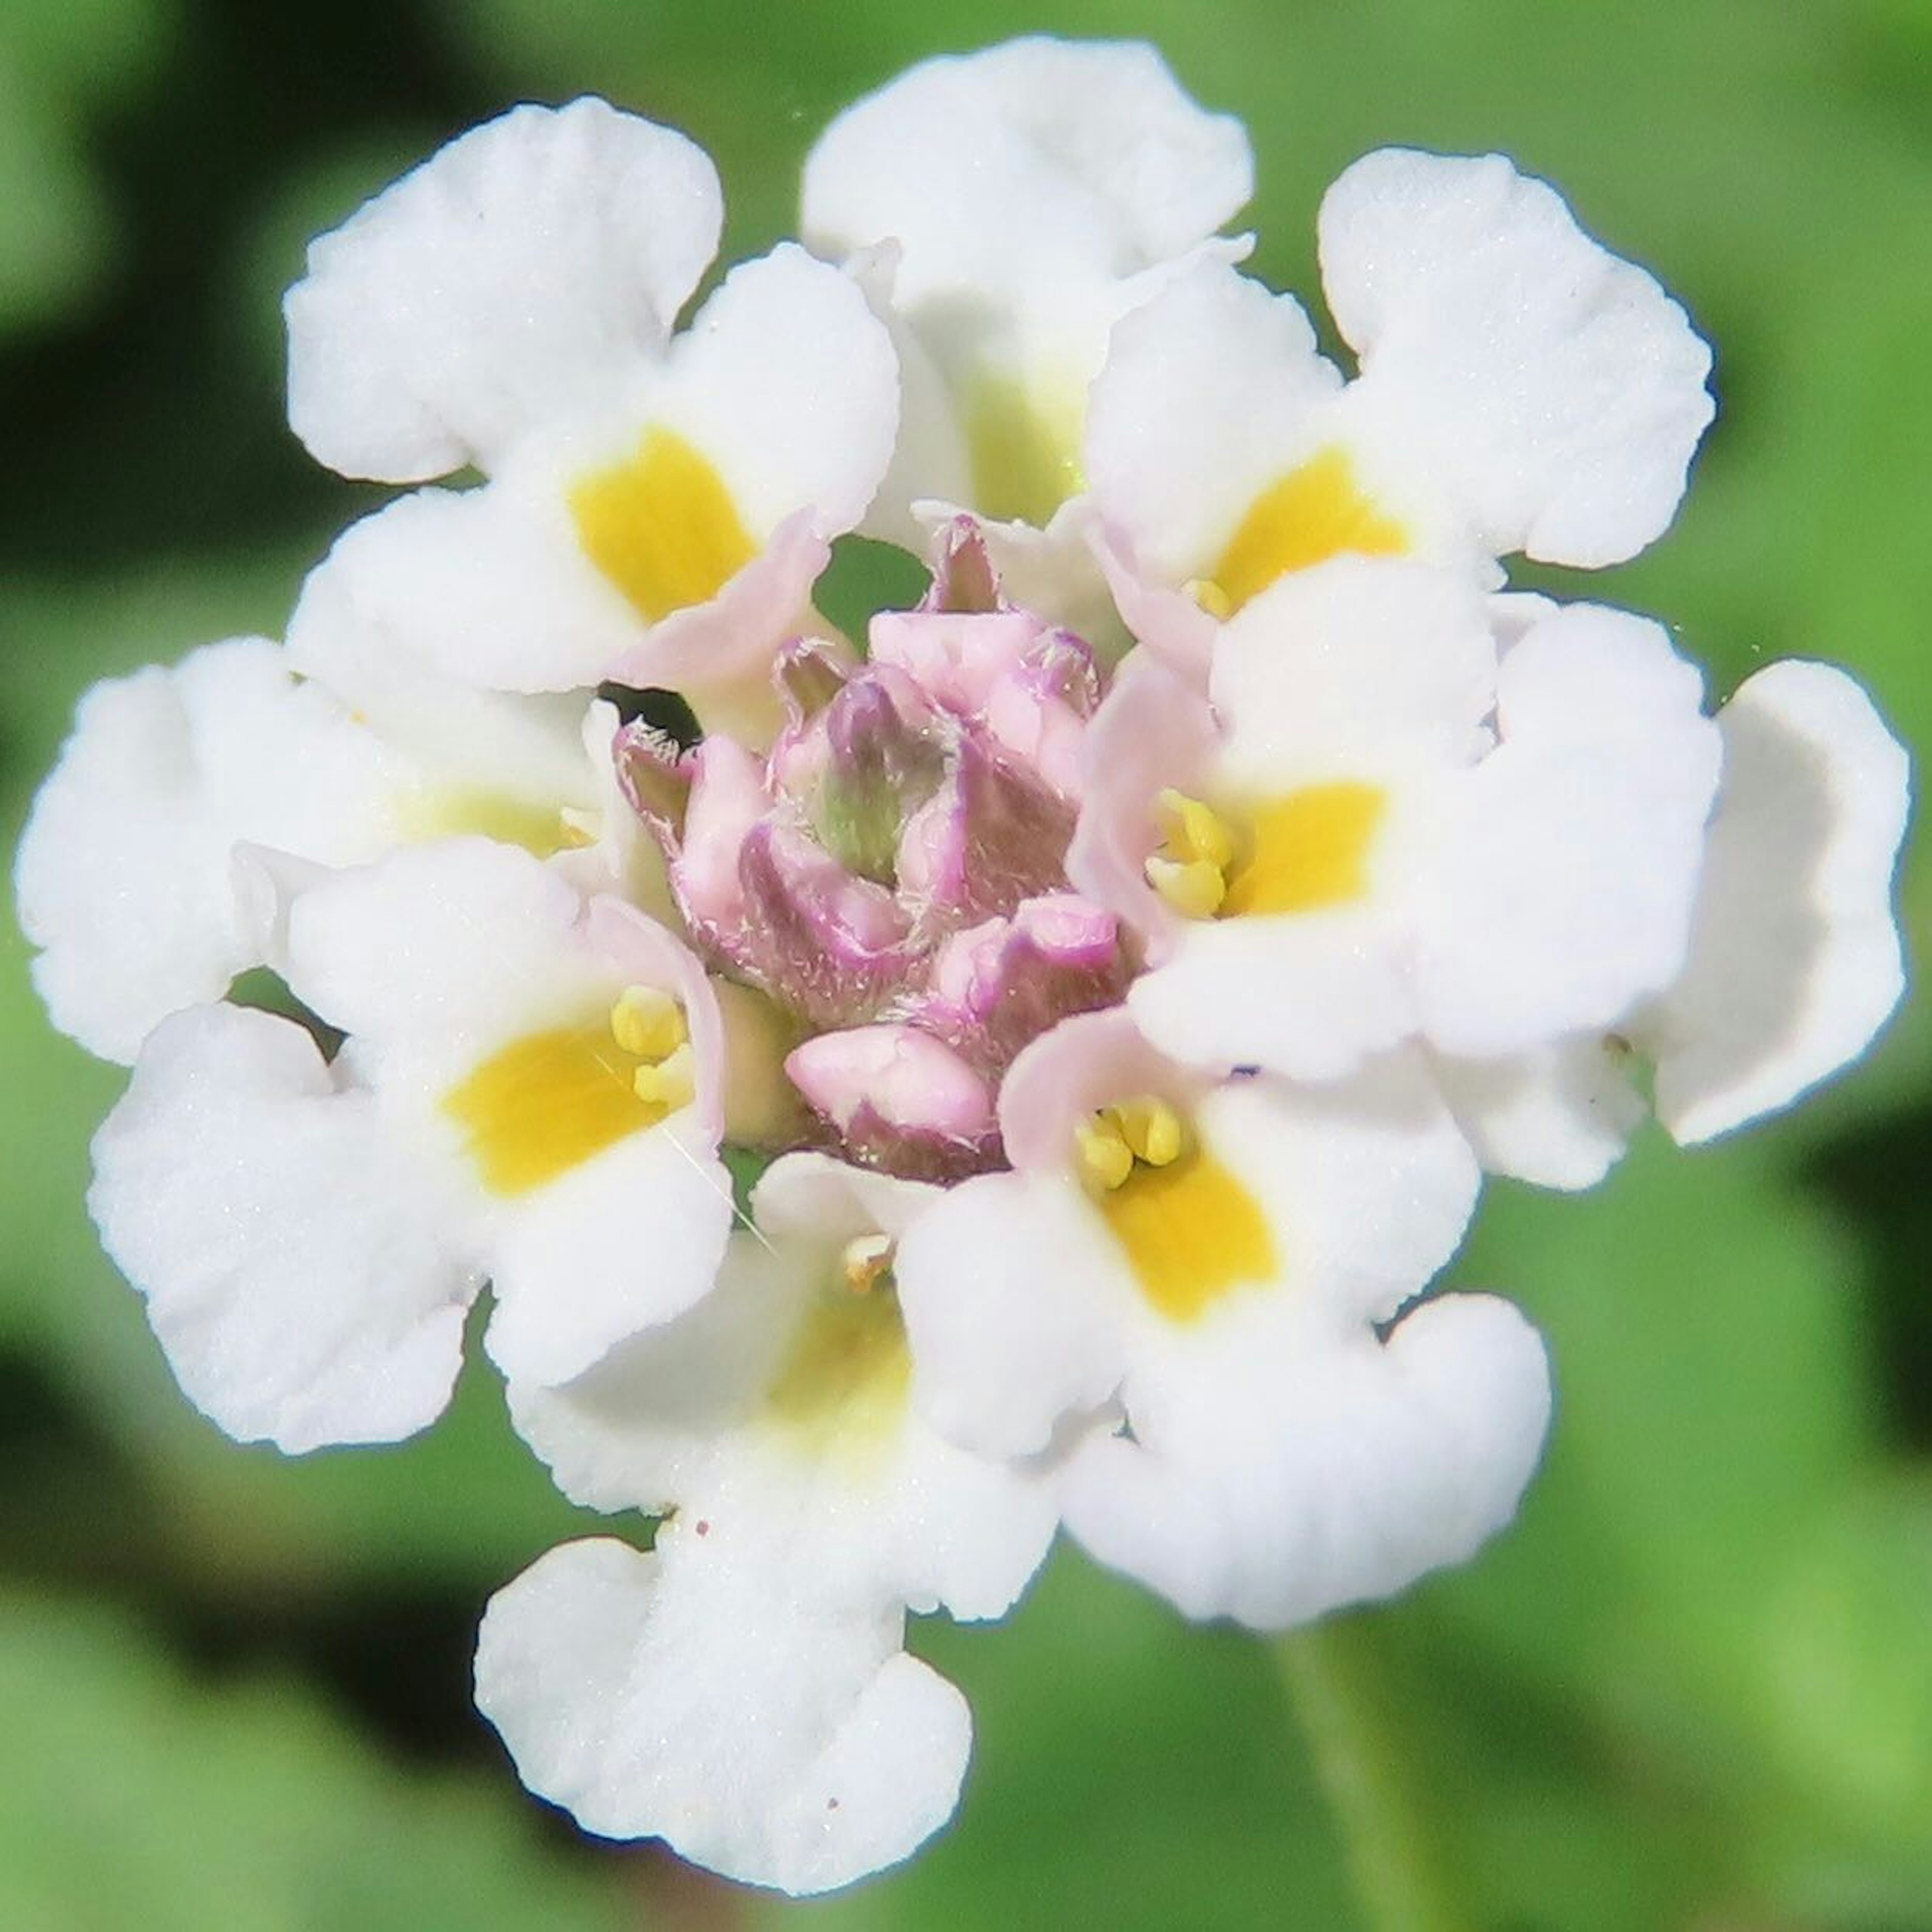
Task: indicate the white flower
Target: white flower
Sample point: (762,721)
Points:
(1794,961)
(658,505)
(1520,389)
(742,1691)
(1214,1256)
(531,1092)
(1209,980)
(1010,206)
(328,754)
(1372,830)
(1795,957)
(123,874)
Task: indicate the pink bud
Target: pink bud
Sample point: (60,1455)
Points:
(994,988)
(728,799)
(898,1098)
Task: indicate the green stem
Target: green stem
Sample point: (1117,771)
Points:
(1396,1857)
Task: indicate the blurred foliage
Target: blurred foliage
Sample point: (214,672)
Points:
(1692,1689)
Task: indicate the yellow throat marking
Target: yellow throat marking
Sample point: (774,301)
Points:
(1301,852)
(661,525)
(1192,1233)
(544,1104)
(840,1390)
(449,811)
(1024,449)
(1315,511)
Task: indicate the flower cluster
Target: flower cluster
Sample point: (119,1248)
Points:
(1024,1066)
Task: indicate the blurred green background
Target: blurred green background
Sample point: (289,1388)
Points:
(1693,1688)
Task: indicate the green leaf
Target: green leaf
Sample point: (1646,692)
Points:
(136,1796)
(1130,1770)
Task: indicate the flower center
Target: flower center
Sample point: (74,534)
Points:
(661,525)
(1301,852)
(1191,1231)
(547,1102)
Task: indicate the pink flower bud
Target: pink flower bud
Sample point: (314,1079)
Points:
(898,1098)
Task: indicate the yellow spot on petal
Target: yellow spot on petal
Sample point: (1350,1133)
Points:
(1307,851)
(661,525)
(1314,512)
(547,1102)
(452,812)
(1191,1232)
(1024,447)
(550,1101)
(840,1392)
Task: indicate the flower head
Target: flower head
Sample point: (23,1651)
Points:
(903,1093)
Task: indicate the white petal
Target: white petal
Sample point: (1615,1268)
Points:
(628,1239)
(123,872)
(484,587)
(465,942)
(1371,1465)
(1039,161)
(1557,1116)
(1795,960)
(1212,390)
(691,1695)
(1311,995)
(654,1425)
(1553,389)
(507,283)
(1562,892)
(1012,1311)
(291,1262)
(1151,732)
(788,383)
(684,1416)
(1368,1183)
(1353,660)
(524,749)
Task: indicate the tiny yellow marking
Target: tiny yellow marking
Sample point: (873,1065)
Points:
(1153,1132)
(1315,511)
(646,1021)
(1307,850)
(1190,870)
(866,1260)
(1192,830)
(1023,445)
(661,525)
(1211,598)
(1101,1153)
(671,1084)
